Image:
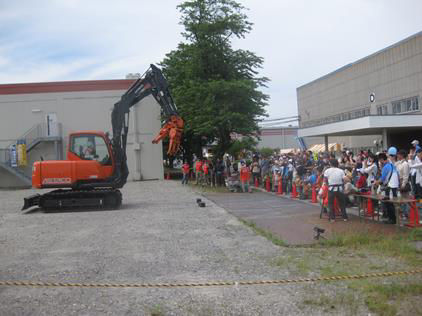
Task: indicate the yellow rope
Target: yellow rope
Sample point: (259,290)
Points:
(206,284)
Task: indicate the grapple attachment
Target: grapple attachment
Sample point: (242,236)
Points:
(173,128)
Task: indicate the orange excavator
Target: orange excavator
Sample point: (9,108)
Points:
(96,166)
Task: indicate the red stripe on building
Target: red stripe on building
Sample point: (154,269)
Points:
(278,133)
(65,86)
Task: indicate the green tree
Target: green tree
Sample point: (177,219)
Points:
(266,151)
(246,144)
(216,87)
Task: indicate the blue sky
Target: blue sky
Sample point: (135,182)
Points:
(300,40)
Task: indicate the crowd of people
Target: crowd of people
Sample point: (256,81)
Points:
(337,179)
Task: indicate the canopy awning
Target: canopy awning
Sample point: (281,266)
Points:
(321,147)
(287,151)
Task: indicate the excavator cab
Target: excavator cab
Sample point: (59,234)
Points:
(90,147)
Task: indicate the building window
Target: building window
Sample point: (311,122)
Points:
(382,109)
(406,105)
(415,104)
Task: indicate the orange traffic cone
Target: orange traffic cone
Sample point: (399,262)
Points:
(294,192)
(267,184)
(414,216)
(280,187)
(314,195)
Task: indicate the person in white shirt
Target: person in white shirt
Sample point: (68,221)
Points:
(335,178)
(404,170)
(413,159)
(416,167)
(371,169)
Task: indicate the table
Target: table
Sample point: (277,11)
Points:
(381,198)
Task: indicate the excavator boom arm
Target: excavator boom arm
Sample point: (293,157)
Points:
(151,83)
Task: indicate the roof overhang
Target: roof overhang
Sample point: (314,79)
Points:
(368,125)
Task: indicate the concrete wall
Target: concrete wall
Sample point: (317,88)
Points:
(282,138)
(285,138)
(392,74)
(87,110)
(9,181)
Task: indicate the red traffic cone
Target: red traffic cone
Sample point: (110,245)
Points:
(256,182)
(267,184)
(314,195)
(294,192)
(370,208)
(280,187)
(336,208)
(414,216)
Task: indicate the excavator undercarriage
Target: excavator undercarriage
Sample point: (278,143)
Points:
(70,199)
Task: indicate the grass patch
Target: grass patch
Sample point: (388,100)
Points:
(340,303)
(208,189)
(156,311)
(399,246)
(389,299)
(300,265)
(264,233)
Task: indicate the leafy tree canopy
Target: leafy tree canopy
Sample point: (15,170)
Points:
(240,147)
(216,87)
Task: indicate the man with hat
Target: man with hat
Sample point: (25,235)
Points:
(415,144)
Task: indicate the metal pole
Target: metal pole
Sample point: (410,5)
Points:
(384,139)
(326,142)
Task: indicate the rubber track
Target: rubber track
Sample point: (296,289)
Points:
(81,194)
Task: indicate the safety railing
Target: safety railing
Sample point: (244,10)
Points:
(41,131)
(5,156)
(36,133)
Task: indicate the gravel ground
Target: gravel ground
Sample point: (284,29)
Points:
(159,235)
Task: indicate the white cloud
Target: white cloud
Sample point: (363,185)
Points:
(300,40)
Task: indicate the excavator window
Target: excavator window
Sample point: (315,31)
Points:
(90,147)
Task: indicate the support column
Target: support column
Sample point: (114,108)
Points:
(384,139)
(284,137)
(56,149)
(326,142)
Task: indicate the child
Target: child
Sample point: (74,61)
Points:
(185,171)
(198,170)
(205,168)
(277,178)
(245,176)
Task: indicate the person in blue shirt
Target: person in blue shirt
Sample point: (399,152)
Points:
(389,181)
(313,178)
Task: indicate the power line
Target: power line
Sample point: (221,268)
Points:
(281,119)
(276,123)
